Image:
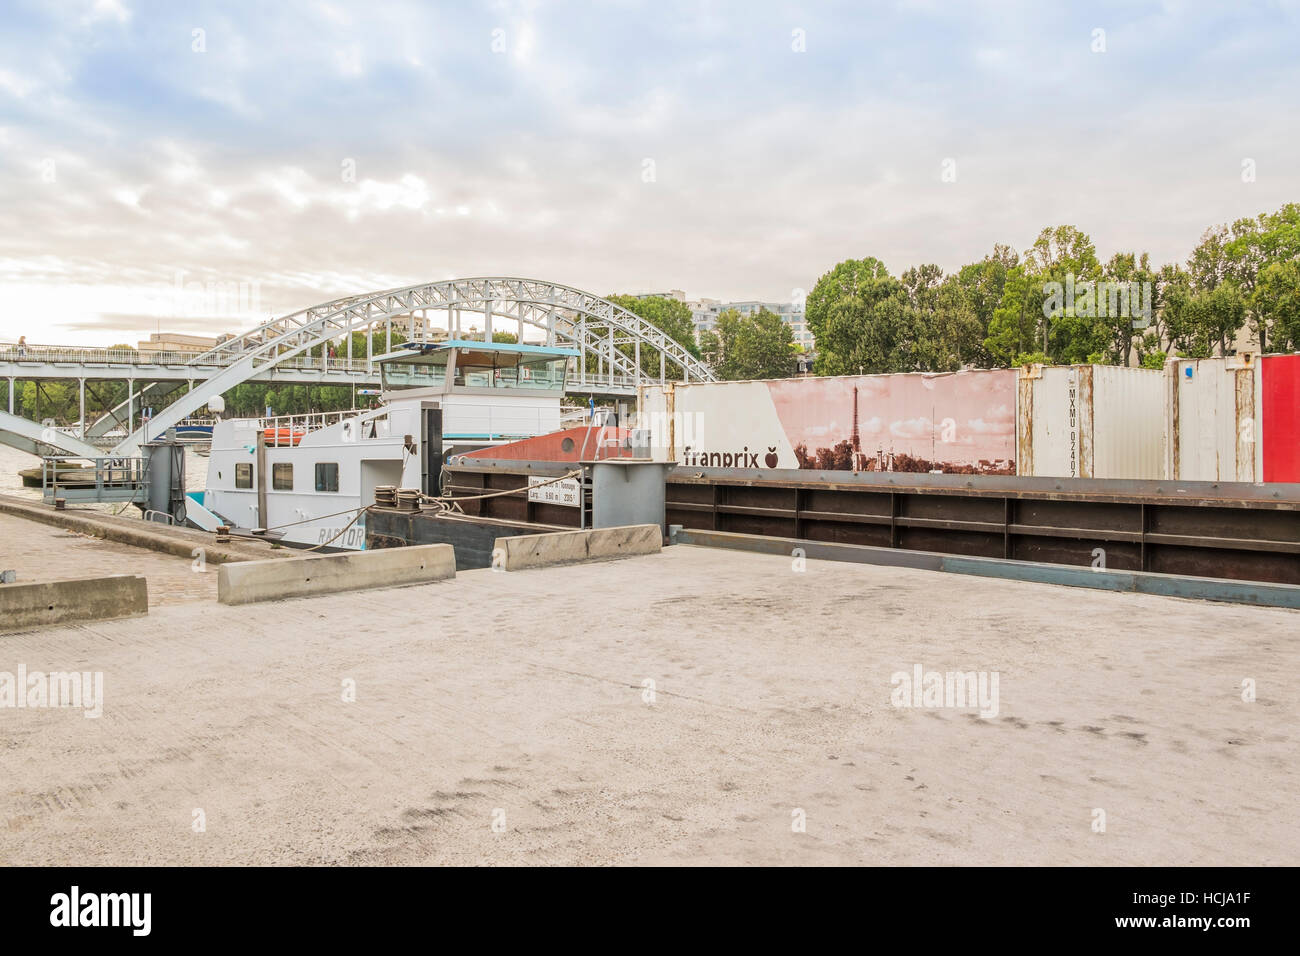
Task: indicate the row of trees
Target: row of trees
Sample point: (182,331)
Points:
(1050,304)
(741,345)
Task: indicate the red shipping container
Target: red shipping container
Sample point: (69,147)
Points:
(1280,417)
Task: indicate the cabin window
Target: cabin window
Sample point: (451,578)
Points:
(282,476)
(243,476)
(327,476)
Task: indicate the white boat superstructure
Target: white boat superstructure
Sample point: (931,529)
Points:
(302,479)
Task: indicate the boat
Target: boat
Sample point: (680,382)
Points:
(303,480)
(194,430)
(65,474)
(72,476)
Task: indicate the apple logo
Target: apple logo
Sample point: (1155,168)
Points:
(771,458)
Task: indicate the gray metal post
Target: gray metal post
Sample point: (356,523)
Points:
(487,320)
(82,401)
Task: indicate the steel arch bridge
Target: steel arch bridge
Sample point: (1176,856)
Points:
(569,317)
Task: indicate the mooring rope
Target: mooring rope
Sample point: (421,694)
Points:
(443,504)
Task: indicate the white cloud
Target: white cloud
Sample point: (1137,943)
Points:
(15,84)
(107,10)
(348,61)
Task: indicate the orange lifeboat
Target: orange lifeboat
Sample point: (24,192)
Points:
(280,437)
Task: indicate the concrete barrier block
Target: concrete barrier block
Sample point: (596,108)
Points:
(245,582)
(86,599)
(562,547)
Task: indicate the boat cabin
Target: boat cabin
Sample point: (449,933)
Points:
(479,368)
(488,392)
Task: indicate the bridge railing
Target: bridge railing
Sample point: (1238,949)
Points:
(58,354)
(579,383)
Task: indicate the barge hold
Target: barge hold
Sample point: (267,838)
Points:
(1229,530)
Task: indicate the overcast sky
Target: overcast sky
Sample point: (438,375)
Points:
(733,150)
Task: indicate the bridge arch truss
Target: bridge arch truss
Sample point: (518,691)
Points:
(597,328)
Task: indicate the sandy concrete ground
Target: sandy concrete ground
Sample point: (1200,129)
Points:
(519,698)
(41,552)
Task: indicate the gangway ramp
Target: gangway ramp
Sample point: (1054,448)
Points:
(197,514)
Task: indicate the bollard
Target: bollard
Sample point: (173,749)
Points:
(223,534)
(59,503)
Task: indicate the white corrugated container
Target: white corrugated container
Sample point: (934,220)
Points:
(1212,418)
(1090,421)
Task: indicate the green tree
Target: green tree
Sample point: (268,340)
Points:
(1276,301)
(1200,321)
(858,314)
(41,400)
(1254,245)
(670,316)
(941,331)
(1125,328)
(1013,328)
(1061,257)
(753,346)
(984,283)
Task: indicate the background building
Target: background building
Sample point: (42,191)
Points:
(176,342)
(705,312)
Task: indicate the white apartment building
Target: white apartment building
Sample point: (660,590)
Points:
(705,312)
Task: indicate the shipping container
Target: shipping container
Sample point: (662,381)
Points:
(1090,421)
(958,422)
(1280,417)
(1234,418)
(1224,419)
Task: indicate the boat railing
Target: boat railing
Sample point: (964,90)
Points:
(285,431)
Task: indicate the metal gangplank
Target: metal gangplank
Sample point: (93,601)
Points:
(82,480)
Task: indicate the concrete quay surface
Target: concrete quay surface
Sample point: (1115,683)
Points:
(165,539)
(41,552)
(687,707)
